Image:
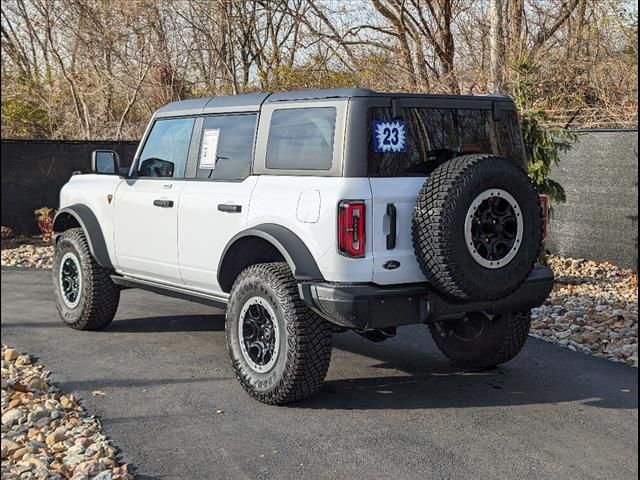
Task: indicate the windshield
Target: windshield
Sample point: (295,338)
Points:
(430,136)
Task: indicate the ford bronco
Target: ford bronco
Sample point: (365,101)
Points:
(308,213)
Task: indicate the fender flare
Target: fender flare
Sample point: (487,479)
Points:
(291,247)
(89,223)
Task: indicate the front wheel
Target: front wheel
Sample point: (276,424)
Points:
(86,297)
(279,348)
(481,340)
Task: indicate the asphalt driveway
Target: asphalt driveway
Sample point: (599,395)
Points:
(390,410)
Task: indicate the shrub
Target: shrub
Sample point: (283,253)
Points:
(6,232)
(543,145)
(44,217)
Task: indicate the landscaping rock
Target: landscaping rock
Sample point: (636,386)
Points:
(89,468)
(593,309)
(10,354)
(10,417)
(30,256)
(45,435)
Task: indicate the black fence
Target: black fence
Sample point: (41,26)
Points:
(600,175)
(34,171)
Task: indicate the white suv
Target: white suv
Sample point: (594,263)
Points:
(309,213)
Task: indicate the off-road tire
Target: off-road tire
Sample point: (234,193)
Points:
(99,296)
(500,341)
(305,338)
(439,220)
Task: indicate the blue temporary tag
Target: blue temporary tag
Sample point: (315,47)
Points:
(389,136)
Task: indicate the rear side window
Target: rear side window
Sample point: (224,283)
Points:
(166,148)
(301,139)
(435,135)
(226,147)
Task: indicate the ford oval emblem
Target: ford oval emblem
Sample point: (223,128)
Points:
(391,265)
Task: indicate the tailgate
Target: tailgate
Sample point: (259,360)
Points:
(400,193)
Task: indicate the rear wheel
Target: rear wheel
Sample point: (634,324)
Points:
(481,340)
(279,348)
(86,297)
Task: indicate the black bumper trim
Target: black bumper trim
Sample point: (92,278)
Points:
(365,306)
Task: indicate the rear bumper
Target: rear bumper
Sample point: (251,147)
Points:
(365,306)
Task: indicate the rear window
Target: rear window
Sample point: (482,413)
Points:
(301,138)
(434,135)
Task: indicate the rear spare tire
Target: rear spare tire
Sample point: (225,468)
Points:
(477,227)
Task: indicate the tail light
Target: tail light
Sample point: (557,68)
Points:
(544,201)
(351,228)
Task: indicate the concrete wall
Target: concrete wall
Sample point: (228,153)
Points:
(600,219)
(33,171)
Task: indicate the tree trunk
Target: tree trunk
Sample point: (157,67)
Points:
(514,21)
(496,41)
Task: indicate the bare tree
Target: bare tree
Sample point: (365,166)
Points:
(86,68)
(497,47)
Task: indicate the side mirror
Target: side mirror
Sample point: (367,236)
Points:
(105,162)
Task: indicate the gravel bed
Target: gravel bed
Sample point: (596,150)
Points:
(31,256)
(45,433)
(593,307)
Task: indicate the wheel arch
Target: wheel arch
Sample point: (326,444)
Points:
(264,243)
(79,215)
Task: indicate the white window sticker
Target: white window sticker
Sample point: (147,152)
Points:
(389,136)
(209,150)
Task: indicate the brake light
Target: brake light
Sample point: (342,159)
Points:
(351,228)
(544,200)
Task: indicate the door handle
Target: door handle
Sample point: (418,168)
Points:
(391,237)
(163,203)
(225,207)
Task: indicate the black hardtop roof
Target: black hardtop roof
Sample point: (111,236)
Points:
(251,102)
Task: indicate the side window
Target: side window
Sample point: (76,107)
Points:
(301,138)
(166,149)
(226,147)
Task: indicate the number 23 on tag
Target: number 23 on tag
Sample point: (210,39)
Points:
(389,136)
